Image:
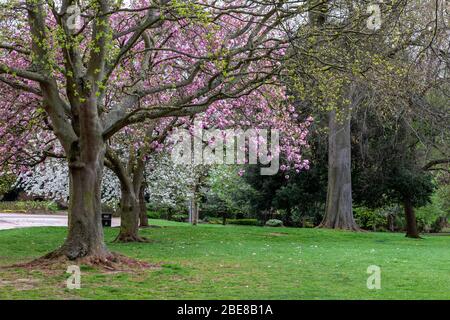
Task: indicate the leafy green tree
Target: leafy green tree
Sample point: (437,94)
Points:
(389,169)
(298,195)
(227,193)
(340,72)
(6,183)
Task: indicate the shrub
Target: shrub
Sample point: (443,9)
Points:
(179,217)
(370,219)
(244,222)
(52,206)
(6,183)
(428,217)
(439,225)
(302,220)
(214,220)
(153,214)
(28,206)
(274,223)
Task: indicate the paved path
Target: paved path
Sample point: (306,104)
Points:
(19,220)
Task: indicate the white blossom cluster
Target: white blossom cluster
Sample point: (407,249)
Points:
(51,181)
(168,184)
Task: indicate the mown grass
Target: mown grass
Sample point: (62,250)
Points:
(239,262)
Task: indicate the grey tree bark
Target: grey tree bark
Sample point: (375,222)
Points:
(193,211)
(339,211)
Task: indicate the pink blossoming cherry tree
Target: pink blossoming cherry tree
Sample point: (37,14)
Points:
(124,64)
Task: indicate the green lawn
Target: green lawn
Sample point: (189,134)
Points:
(237,262)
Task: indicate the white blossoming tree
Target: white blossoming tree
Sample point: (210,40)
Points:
(50,179)
(168,184)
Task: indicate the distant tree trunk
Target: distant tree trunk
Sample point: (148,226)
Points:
(131,181)
(339,213)
(411,223)
(391,222)
(193,211)
(129,216)
(194,206)
(197,212)
(190,211)
(143,208)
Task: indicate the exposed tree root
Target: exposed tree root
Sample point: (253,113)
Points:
(125,238)
(150,226)
(413,236)
(352,227)
(112,261)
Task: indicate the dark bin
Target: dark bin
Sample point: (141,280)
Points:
(106,219)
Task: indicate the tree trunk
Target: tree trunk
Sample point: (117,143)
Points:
(85,230)
(411,223)
(391,222)
(339,213)
(193,211)
(196,212)
(143,208)
(131,182)
(129,216)
(85,237)
(85,156)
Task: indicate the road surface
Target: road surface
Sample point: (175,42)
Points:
(19,220)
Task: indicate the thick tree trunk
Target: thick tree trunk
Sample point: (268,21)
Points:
(129,216)
(143,208)
(85,231)
(85,237)
(411,223)
(131,183)
(85,156)
(85,242)
(339,213)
